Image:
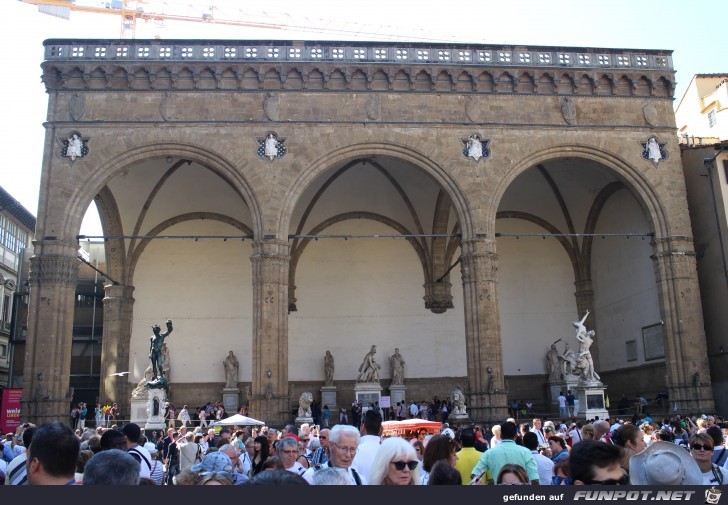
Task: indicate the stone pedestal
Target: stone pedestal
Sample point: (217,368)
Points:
(138,412)
(366,393)
(328,397)
(155,420)
(591,400)
(301,420)
(457,419)
(397,393)
(231,400)
(570,383)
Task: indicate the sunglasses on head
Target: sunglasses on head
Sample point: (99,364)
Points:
(624,480)
(700,447)
(399,465)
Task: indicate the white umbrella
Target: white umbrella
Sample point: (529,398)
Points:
(239,420)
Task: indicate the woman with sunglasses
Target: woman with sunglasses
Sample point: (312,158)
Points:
(395,464)
(701,449)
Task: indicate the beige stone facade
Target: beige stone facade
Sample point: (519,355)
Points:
(154,113)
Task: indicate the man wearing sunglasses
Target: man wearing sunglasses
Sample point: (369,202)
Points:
(593,462)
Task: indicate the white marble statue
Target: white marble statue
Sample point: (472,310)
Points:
(304,404)
(369,369)
(140,391)
(397,364)
(271,147)
(475,147)
(74,147)
(458,403)
(584,362)
(231,365)
(568,361)
(653,150)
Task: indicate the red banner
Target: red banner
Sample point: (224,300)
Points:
(10,410)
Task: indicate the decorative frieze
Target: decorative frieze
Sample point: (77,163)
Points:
(48,270)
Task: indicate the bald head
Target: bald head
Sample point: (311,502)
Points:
(601,428)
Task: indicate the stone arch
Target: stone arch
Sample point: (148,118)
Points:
(630,176)
(345,154)
(78,202)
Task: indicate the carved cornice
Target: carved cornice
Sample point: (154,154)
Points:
(258,65)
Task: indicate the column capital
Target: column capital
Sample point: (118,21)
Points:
(53,270)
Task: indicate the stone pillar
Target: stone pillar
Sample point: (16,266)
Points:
(584,295)
(686,352)
(118,313)
(479,269)
(270,400)
(53,274)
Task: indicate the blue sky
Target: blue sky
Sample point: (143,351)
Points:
(687,28)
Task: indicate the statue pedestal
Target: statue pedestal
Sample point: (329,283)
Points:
(591,400)
(301,420)
(367,393)
(155,409)
(397,393)
(455,419)
(328,397)
(570,383)
(231,400)
(138,413)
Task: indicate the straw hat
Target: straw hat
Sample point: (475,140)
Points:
(664,463)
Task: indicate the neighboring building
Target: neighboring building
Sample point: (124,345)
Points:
(703,123)
(213,163)
(702,113)
(17,225)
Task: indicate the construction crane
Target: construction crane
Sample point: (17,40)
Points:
(130,11)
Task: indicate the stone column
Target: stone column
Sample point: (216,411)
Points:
(479,269)
(53,274)
(686,352)
(270,396)
(118,312)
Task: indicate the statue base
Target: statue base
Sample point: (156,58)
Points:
(138,408)
(231,400)
(397,393)
(455,419)
(570,383)
(328,397)
(367,393)
(156,409)
(591,400)
(302,420)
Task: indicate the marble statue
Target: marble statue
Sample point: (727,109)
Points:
(231,365)
(140,391)
(458,403)
(552,364)
(74,147)
(397,364)
(568,361)
(475,147)
(271,147)
(328,369)
(584,362)
(369,369)
(653,150)
(304,404)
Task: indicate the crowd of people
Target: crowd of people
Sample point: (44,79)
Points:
(671,451)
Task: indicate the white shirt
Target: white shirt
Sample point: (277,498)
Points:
(540,435)
(146,463)
(368,447)
(545,468)
(297,468)
(562,401)
(575,436)
(308,476)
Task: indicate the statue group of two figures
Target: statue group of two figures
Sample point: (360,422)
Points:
(570,365)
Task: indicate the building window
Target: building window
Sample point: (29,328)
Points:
(631,348)
(6,310)
(712,119)
(3,351)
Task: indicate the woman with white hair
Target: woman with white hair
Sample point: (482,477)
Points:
(395,464)
(496,430)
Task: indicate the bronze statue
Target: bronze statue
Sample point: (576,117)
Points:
(156,356)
